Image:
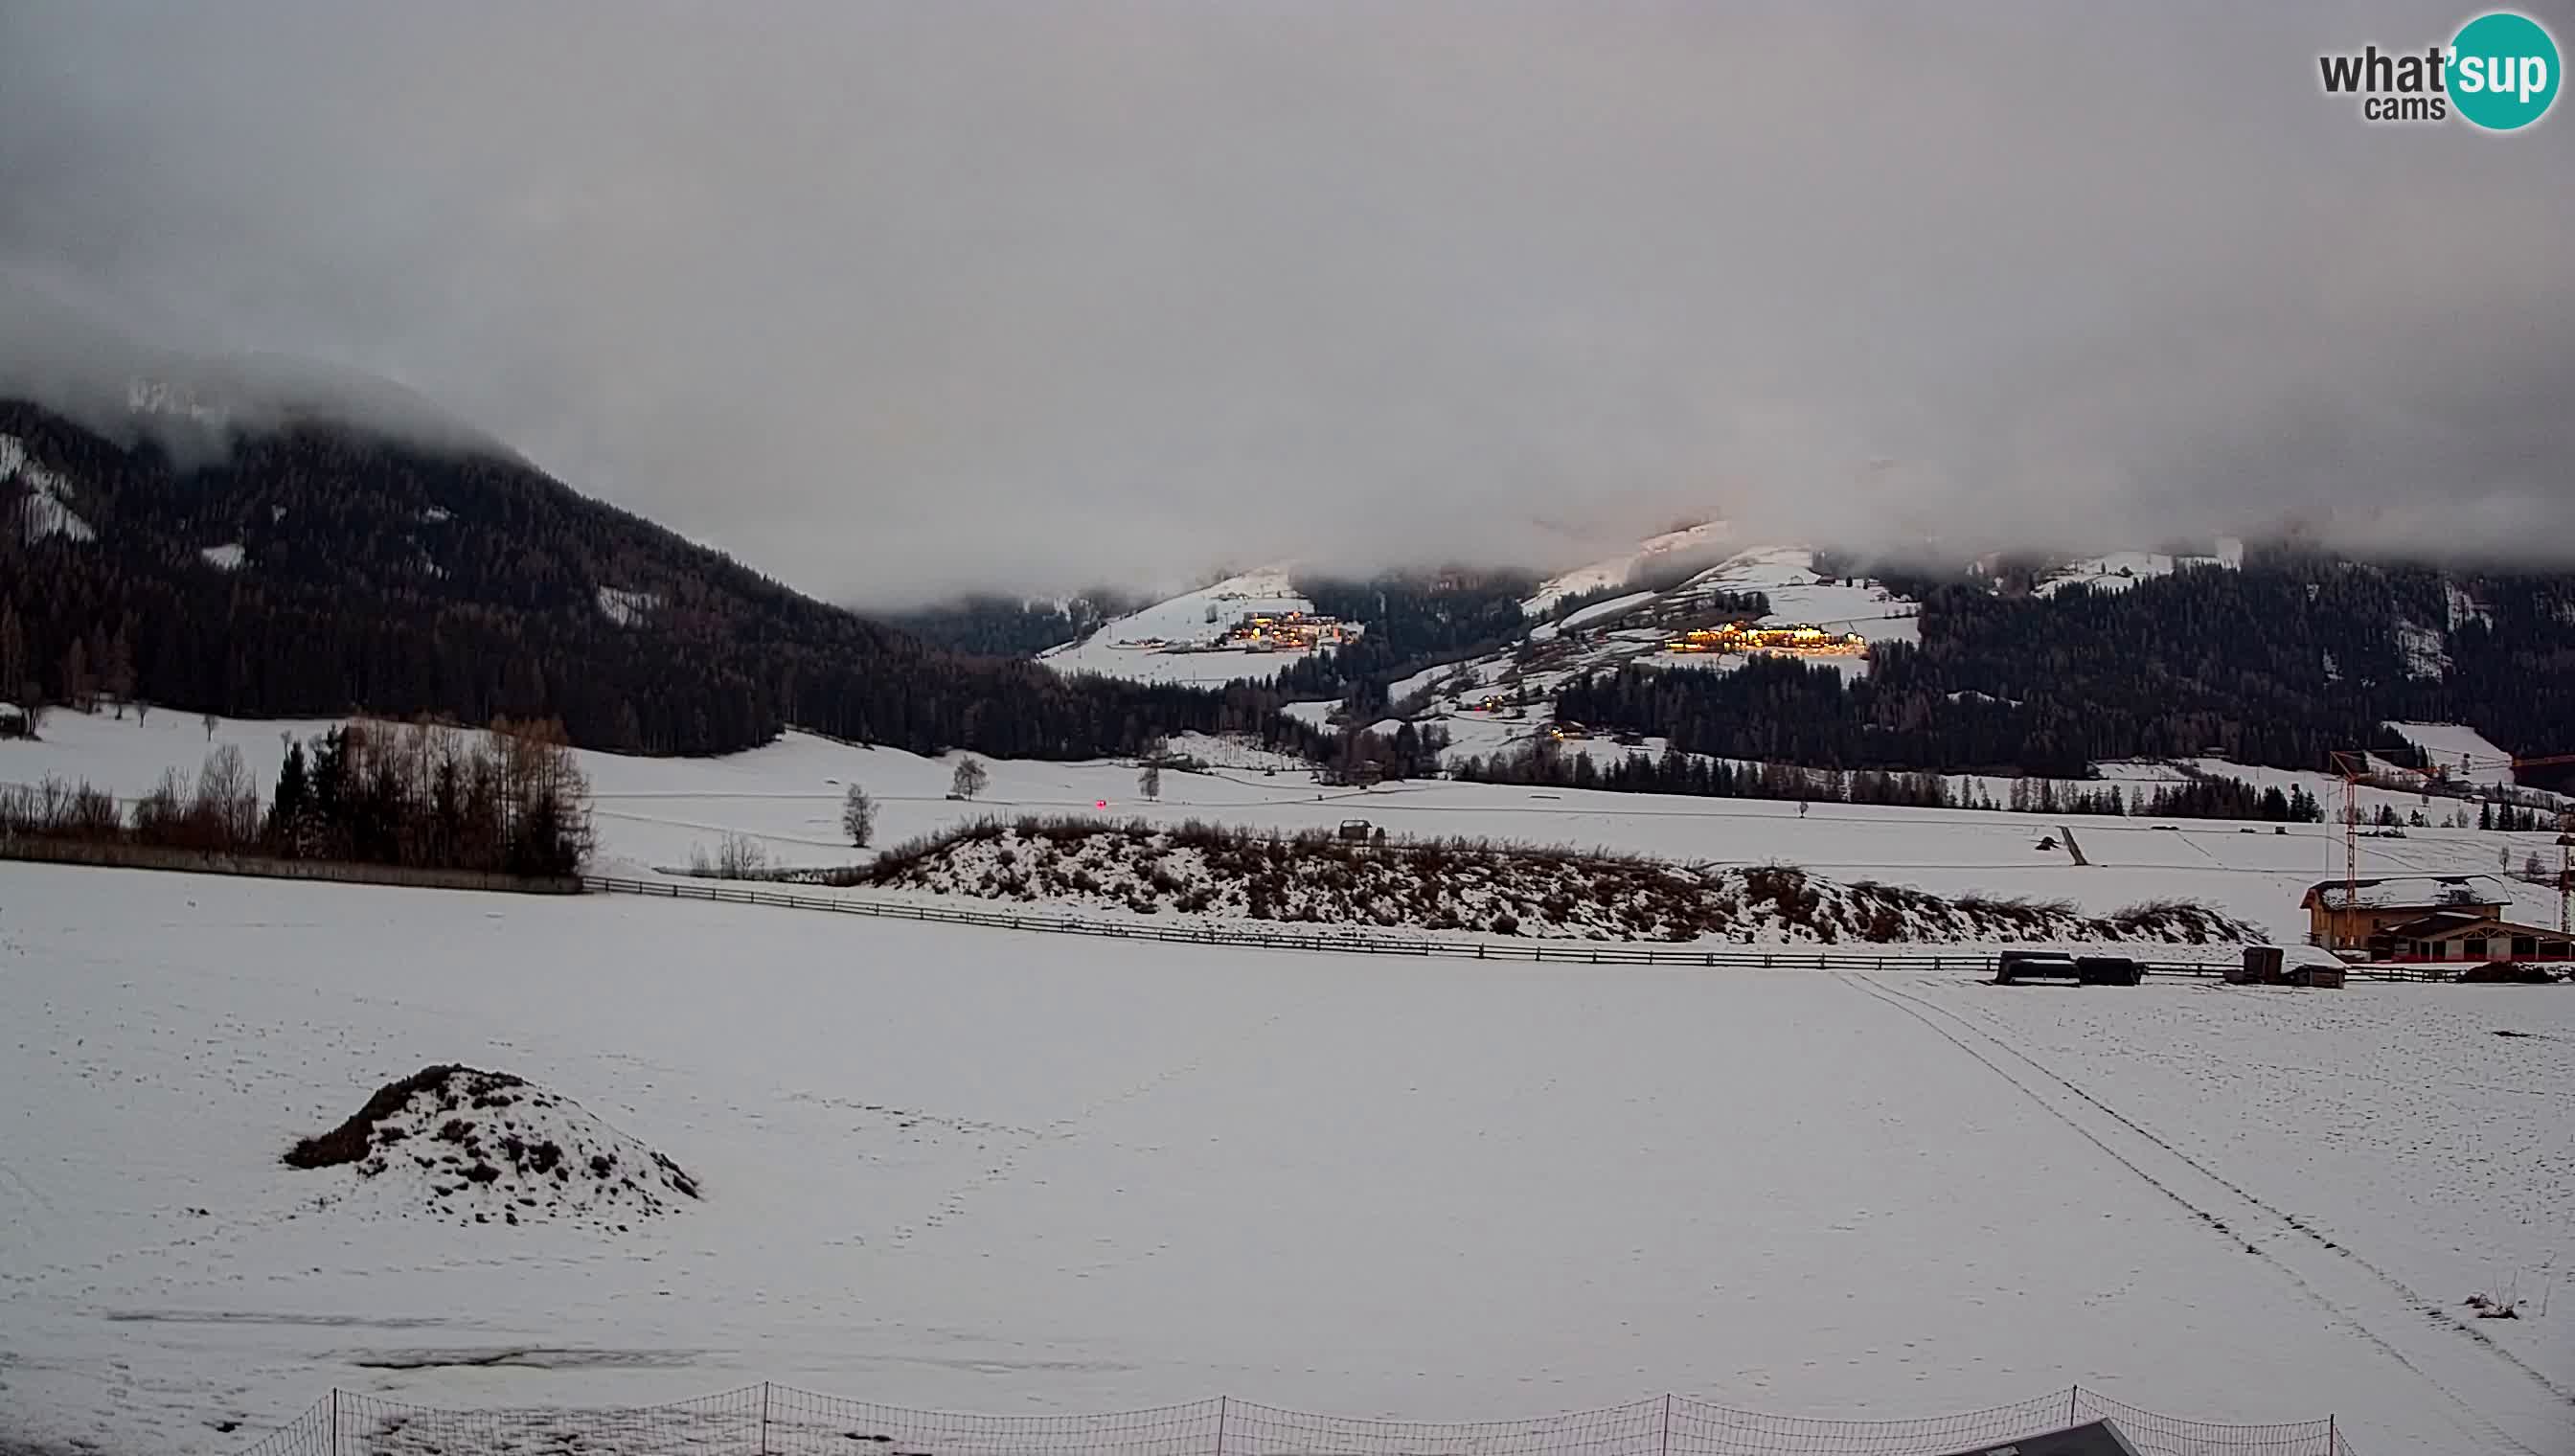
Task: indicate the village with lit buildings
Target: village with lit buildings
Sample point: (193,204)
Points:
(1744,637)
(1286,632)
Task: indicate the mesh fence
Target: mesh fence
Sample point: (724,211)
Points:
(1618,1430)
(1701,1429)
(711,1425)
(778,1420)
(2162,1435)
(804,1424)
(307,1435)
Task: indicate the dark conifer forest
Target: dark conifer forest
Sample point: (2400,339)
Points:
(2278,664)
(381,577)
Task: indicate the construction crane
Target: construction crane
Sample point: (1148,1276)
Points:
(2355,764)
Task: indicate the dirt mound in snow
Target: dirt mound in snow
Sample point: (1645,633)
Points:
(488,1147)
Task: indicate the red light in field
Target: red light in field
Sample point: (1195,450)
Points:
(1100,804)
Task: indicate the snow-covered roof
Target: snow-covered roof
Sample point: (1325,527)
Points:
(2409,892)
(2441,923)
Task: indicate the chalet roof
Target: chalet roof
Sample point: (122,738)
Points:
(2442,923)
(2407,893)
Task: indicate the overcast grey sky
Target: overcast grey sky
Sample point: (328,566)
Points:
(890,299)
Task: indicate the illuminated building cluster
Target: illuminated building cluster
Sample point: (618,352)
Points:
(1745,637)
(1289,632)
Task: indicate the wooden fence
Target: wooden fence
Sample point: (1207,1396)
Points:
(1576,952)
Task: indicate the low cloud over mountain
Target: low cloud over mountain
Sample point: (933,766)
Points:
(896,300)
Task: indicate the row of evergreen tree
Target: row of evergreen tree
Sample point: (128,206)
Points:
(1677,771)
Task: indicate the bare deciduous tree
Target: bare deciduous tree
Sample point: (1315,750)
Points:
(737,857)
(227,801)
(858,816)
(970,777)
(1149,779)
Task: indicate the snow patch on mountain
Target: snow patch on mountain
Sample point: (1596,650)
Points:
(2465,608)
(2421,646)
(627,608)
(46,510)
(225,557)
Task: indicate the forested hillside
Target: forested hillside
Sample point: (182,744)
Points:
(2278,664)
(320,570)
(1414,619)
(1009,627)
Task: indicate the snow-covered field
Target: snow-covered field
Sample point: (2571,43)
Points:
(970,1169)
(653,812)
(2466,755)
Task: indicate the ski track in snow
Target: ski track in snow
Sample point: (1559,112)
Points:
(2467,1368)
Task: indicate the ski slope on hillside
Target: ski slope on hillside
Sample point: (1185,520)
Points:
(1617,570)
(652,812)
(976,1171)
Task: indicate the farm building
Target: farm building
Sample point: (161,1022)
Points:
(2344,916)
(2466,934)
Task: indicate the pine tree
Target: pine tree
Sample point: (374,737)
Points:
(13,657)
(78,689)
(286,815)
(119,672)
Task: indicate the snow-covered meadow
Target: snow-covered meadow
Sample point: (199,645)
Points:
(652,812)
(970,1169)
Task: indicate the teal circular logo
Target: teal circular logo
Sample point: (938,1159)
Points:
(2503,71)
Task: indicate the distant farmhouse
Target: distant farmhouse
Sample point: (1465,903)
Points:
(2425,917)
